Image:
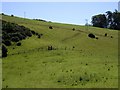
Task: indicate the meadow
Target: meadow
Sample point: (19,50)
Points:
(77,61)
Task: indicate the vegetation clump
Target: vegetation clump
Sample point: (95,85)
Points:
(12,15)
(7,42)
(73,29)
(50,48)
(91,35)
(110,20)
(105,34)
(12,32)
(18,44)
(96,37)
(4,51)
(50,27)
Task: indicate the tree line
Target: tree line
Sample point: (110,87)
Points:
(110,20)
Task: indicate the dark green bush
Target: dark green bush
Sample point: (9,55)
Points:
(105,34)
(15,39)
(4,51)
(39,36)
(7,43)
(50,27)
(12,15)
(91,35)
(18,44)
(33,32)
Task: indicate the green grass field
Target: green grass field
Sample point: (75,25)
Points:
(92,63)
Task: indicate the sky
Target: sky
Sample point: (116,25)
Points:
(63,12)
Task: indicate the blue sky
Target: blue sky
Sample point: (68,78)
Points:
(64,12)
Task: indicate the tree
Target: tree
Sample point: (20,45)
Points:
(109,20)
(99,20)
(116,20)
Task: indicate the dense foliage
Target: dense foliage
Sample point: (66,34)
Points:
(12,32)
(4,51)
(109,20)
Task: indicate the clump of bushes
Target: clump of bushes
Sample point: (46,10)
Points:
(96,37)
(33,32)
(4,51)
(73,29)
(2,13)
(12,15)
(18,44)
(15,39)
(50,27)
(73,46)
(7,42)
(50,48)
(111,36)
(91,35)
(105,34)
(39,36)
(12,32)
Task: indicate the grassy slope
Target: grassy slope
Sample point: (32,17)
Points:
(90,59)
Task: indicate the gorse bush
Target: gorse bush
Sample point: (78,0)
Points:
(15,39)
(7,42)
(50,27)
(4,51)
(91,35)
(18,44)
(12,32)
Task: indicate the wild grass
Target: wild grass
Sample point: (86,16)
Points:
(77,61)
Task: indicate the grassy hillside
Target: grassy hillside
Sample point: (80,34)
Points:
(78,61)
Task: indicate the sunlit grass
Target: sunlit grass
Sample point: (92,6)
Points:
(92,63)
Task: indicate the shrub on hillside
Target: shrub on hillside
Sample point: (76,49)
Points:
(33,32)
(50,27)
(4,51)
(15,39)
(91,35)
(28,33)
(12,15)
(50,48)
(2,13)
(39,36)
(96,37)
(105,34)
(7,43)
(36,33)
(5,36)
(18,44)
(73,29)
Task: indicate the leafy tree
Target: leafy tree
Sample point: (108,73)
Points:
(99,20)
(109,20)
(109,16)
